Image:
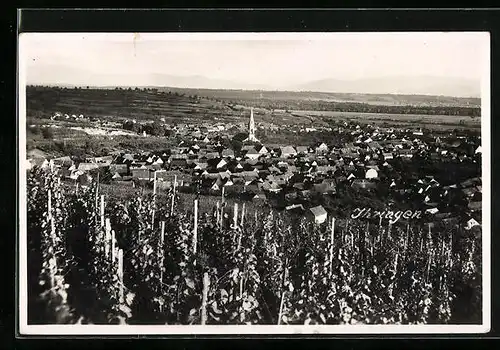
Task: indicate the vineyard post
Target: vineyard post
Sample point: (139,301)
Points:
(223,188)
(217,213)
(49,205)
(154,201)
(107,237)
(162,240)
(235,215)
(102,210)
(429,267)
(53,268)
(206,284)
(241,285)
(173,196)
(154,183)
(120,272)
(450,251)
(162,232)
(281,307)
(113,246)
(242,214)
(331,245)
(195,230)
(97,192)
(421,241)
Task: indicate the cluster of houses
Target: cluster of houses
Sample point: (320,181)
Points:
(295,173)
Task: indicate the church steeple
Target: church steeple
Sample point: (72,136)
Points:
(251,129)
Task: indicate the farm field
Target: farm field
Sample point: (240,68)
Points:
(394,120)
(189,105)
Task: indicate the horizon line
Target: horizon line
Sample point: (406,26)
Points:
(85,86)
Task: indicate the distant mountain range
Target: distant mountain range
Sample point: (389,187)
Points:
(70,76)
(456,87)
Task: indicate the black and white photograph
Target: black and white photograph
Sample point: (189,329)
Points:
(254,183)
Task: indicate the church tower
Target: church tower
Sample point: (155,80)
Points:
(251,129)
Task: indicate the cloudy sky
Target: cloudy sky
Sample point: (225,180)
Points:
(271,60)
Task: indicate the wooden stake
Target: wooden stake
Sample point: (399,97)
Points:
(281,307)
(241,287)
(332,238)
(162,232)
(120,273)
(223,190)
(173,196)
(113,247)
(107,237)
(206,284)
(154,183)
(235,215)
(217,214)
(49,205)
(195,231)
(102,210)
(242,215)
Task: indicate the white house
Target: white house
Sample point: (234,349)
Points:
(221,164)
(371,174)
(432,210)
(471,223)
(319,214)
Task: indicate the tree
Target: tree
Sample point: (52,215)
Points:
(47,133)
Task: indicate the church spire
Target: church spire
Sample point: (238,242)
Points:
(251,128)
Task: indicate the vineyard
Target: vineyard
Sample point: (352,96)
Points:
(92,260)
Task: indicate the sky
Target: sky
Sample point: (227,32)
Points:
(273,60)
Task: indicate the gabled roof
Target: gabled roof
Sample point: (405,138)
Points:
(318,211)
(288,150)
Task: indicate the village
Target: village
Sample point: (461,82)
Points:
(313,179)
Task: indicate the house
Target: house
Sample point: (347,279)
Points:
(432,210)
(227,153)
(322,148)
(287,151)
(471,223)
(295,208)
(88,166)
(64,162)
(388,156)
(325,187)
(263,150)
(371,174)
(252,153)
(302,149)
(140,173)
(221,164)
(318,213)
(363,184)
(121,169)
(259,197)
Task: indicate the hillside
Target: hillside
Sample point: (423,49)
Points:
(189,105)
